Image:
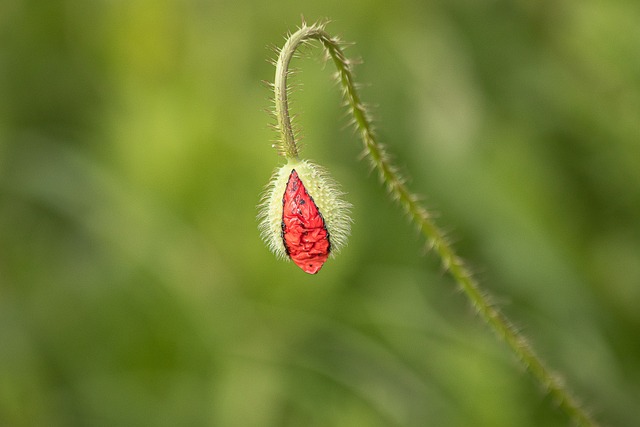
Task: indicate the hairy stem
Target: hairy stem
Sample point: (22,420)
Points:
(394,182)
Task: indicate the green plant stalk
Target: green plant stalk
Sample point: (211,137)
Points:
(395,184)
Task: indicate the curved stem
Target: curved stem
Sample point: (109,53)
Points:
(394,182)
(288,145)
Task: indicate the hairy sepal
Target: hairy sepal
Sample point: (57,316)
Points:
(325,193)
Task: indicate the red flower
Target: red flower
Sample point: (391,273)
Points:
(303,216)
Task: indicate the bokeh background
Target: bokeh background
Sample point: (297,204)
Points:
(134,288)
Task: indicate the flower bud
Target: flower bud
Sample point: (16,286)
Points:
(302,215)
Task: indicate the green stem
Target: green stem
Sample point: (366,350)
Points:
(287,143)
(394,182)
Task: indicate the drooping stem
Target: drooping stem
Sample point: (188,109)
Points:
(287,143)
(395,184)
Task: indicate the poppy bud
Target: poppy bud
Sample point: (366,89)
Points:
(302,215)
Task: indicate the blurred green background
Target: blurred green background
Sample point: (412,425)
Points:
(134,288)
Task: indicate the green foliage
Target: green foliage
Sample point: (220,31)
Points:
(134,289)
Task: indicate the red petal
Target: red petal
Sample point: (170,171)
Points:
(304,232)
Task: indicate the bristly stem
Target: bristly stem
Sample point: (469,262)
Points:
(436,238)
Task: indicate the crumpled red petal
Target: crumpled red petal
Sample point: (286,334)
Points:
(304,232)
